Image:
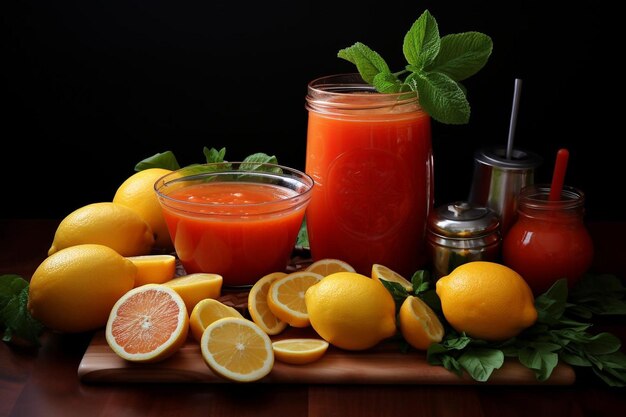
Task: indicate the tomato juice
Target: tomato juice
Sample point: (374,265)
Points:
(239,230)
(370,156)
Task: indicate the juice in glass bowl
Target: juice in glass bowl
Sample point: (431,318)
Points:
(229,220)
(370,156)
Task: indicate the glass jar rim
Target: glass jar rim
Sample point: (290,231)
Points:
(332,91)
(536,196)
(224,170)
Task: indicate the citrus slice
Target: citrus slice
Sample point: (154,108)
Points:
(328,266)
(286,297)
(299,351)
(382,272)
(419,324)
(196,287)
(206,312)
(258,308)
(237,349)
(147,324)
(153,269)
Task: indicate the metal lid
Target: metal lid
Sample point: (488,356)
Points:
(496,156)
(463,220)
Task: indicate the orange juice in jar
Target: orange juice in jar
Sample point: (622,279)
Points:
(370,155)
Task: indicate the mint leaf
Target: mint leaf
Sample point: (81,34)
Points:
(421,42)
(481,362)
(213,155)
(367,61)
(303,235)
(441,97)
(14,315)
(254,162)
(420,281)
(165,160)
(540,358)
(462,55)
(386,82)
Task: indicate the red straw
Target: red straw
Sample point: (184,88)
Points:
(558,177)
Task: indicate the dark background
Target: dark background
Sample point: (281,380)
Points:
(90,88)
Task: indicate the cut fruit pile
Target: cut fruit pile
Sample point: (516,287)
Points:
(150,322)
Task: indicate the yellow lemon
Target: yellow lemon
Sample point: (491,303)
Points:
(299,351)
(382,272)
(259,309)
(206,312)
(351,311)
(328,266)
(196,287)
(153,269)
(237,349)
(108,224)
(486,300)
(419,324)
(74,289)
(137,192)
(285,297)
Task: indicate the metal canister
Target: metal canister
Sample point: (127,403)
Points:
(461,232)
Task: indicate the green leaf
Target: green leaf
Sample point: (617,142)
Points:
(421,42)
(14,315)
(543,361)
(303,235)
(165,160)
(481,362)
(368,62)
(386,82)
(602,344)
(442,98)
(213,155)
(396,290)
(462,55)
(254,162)
(551,304)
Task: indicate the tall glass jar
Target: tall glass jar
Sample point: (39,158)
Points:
(549,240)
(370,155)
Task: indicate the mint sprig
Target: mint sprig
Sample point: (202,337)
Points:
(15,318)
(435,67)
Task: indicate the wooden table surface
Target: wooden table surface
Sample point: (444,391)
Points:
(44,382)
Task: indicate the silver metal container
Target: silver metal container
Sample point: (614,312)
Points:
(498,181)
(461,232)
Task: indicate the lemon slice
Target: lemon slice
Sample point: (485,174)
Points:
(237,349)
(328,266)
(286,297)
(196,287)
(299,351)
(381,272)
(206,312)
(258,308)
(153,269)
(419,324)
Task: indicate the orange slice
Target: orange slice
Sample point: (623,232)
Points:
(381,272)
(286,297)
(147,324)
(419,325)
(206,312)
(153,269)
(237,349)
(196,287)
(258,308)
(328,266)
(299,351)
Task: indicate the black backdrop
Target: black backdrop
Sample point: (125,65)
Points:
(89,88)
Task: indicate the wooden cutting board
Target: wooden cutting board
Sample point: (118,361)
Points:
(384,364)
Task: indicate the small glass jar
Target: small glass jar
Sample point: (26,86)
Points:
(461,232)
(549,240)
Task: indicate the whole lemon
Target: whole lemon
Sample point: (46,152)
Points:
(74,289)
(137,192)
(107,223)
(486,300)
(351,311)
